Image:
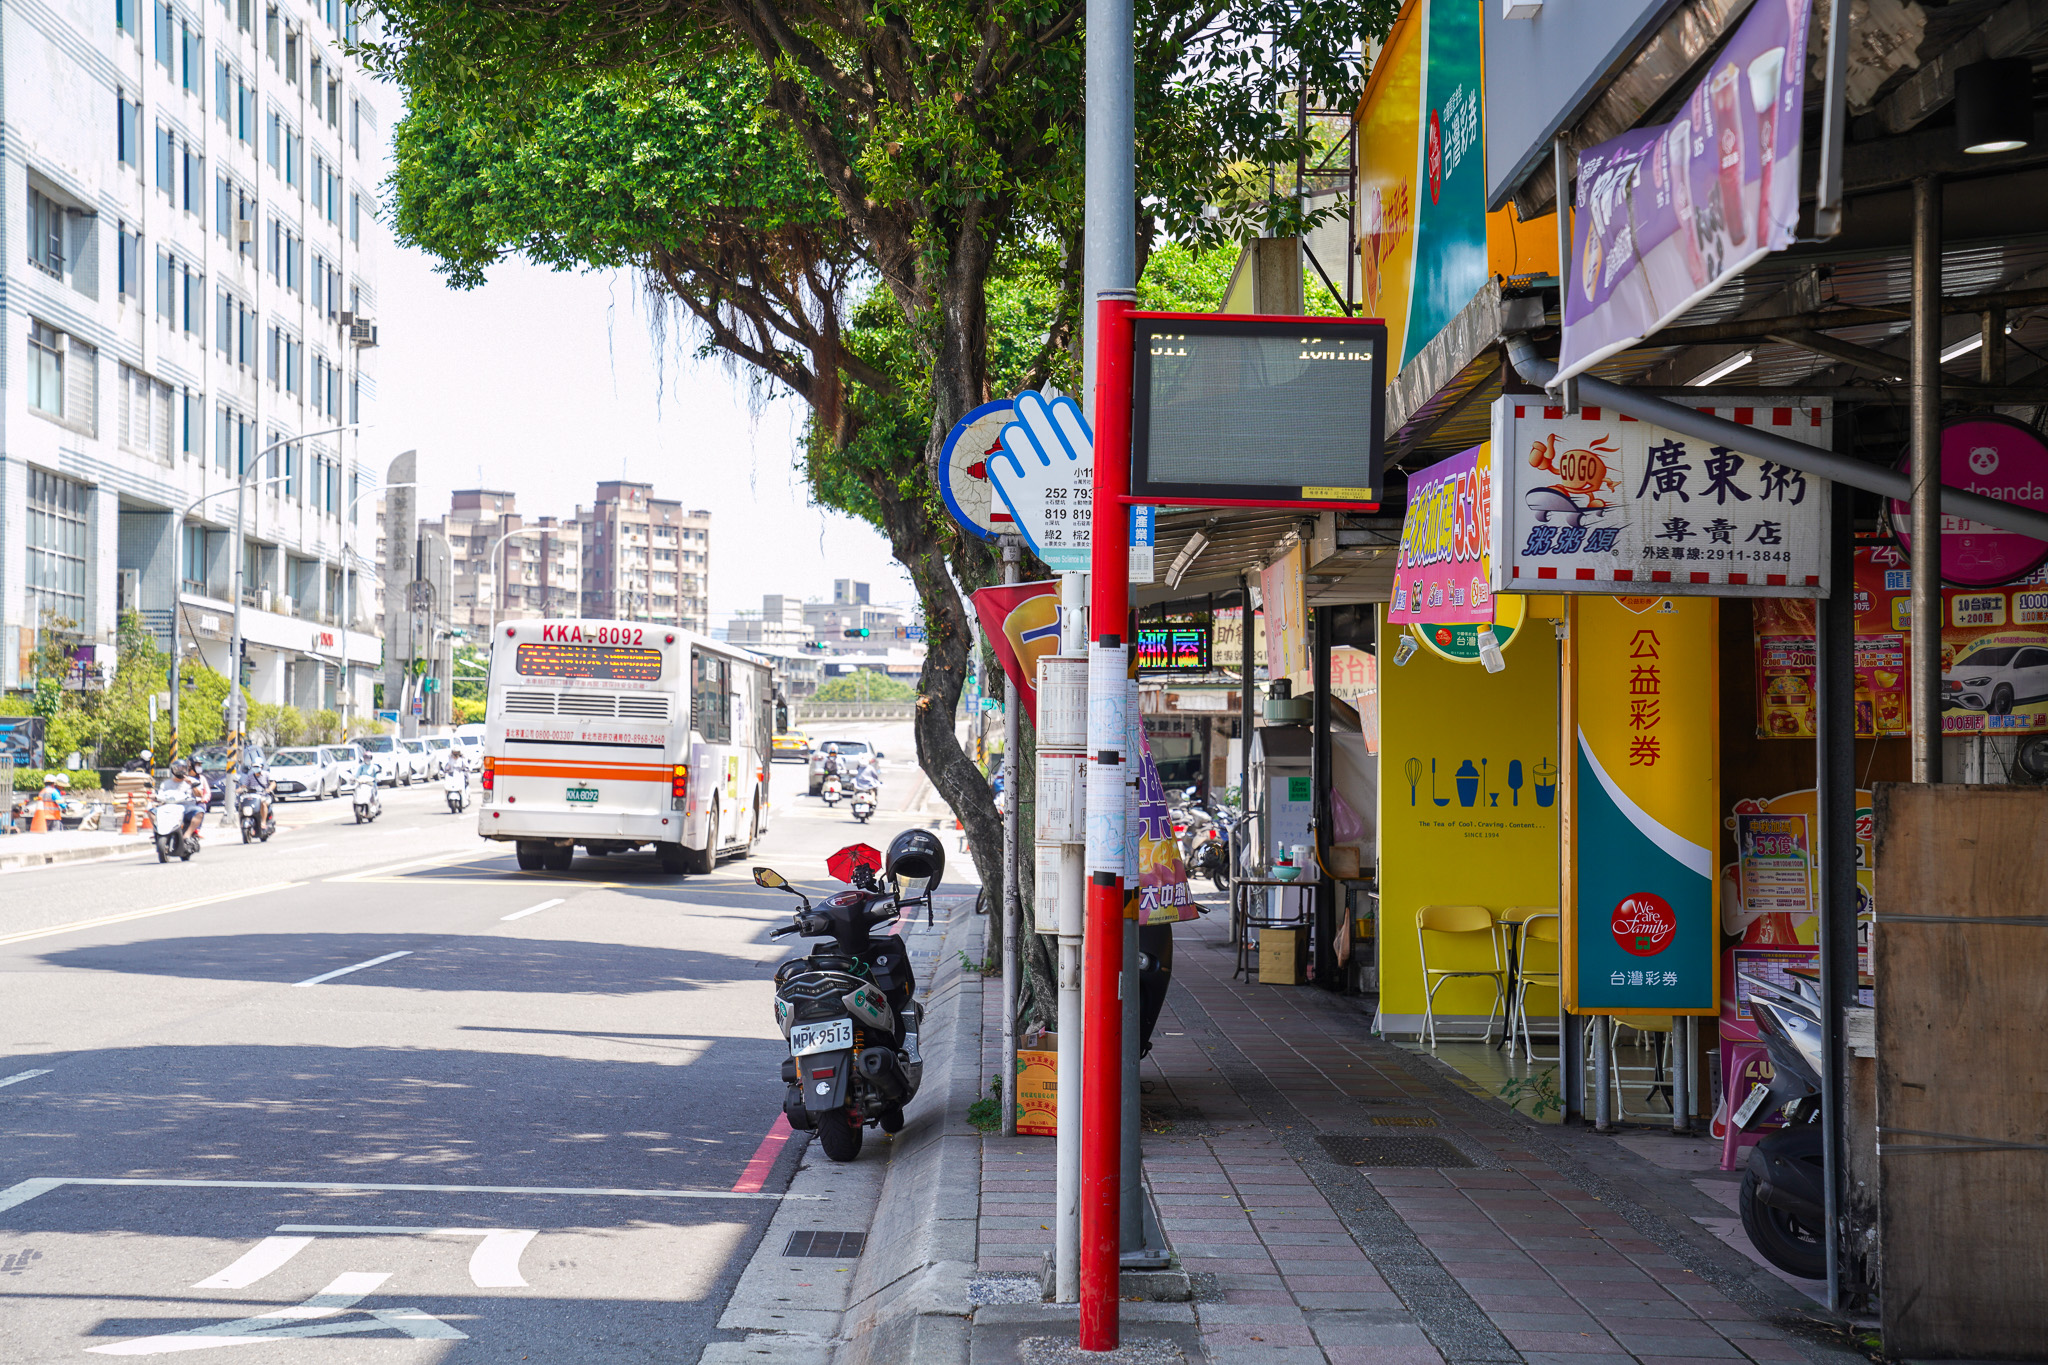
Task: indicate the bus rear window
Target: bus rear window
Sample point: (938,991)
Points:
(620,663)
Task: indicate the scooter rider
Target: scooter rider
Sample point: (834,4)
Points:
(256,779)
(188,787)
(866,779)
(366,771)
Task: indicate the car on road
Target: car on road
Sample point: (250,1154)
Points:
(438,749)
(341,761)
(394,765)
(470,739)
(852,753)
(1996,678)
(424,766)
(300,773)
(790,744)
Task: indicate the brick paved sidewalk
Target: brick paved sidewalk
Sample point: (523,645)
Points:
(1550,1246)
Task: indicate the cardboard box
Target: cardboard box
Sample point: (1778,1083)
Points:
(1038,1081)
(1280,956)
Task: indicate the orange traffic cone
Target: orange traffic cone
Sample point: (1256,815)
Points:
(128,819)
(37,824)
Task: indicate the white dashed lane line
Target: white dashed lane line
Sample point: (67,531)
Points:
(344,971)
(530,910)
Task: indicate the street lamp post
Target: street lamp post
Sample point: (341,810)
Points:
(177,594)
(491,561)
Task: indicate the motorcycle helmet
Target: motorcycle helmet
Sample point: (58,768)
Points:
(916,861)
(181,767)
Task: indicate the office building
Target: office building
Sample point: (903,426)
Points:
(645,558)
(506,567)
(190,284)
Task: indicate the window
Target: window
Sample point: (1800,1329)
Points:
(245,14)
(164,36)
(124,16)
(147,415)
(128,130)
(45,370)
(270,26)
(245,112)
(293,487)
(711,697)
(273,139)
(128,268)
(191,422)
(294,158)
(355,124)
(45,233)
(56,546)
(193,179)
(165,177)
(192,572)
(334,102)
(271,356)
(355,217)
(192,59)
(291,55)
(223,93)
(166,287)
(224,206)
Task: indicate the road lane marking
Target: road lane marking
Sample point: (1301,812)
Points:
(763,1160)
(493,1265)
(24,1076)
(429,860)
(22,1191)
(340,1297)
(76,925)
(258,1261)
(344,971)
(516,914)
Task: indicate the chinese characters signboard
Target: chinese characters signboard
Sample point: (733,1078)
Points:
(1643,932)
(1599,502)
(1667,214)
(1996,457)
(1173,649)
(1994,655)
(1441,574)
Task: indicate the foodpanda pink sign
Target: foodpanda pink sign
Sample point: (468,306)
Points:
(1998,458)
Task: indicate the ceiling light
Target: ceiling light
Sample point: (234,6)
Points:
(1995,105)
(1967,345)
(1722,370)
(1185,560)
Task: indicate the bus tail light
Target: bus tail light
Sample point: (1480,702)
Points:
(490,777)
(679,788)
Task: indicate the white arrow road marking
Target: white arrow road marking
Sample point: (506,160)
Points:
(493,1265)
(340,1297)
(344,971)
(24,1076)
(266,1256)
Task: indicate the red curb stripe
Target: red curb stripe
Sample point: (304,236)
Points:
(756,1175)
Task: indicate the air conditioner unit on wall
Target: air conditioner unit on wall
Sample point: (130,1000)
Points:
(245,230)
(362,332)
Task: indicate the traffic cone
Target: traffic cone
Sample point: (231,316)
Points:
(37,824)
(128,819)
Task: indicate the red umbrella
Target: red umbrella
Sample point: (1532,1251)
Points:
(842,863)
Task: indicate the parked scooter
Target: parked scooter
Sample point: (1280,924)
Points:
(1784,1188)
(167,823)
(850,1012)
(368,799)
(257,819)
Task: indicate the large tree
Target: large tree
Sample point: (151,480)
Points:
(779,169)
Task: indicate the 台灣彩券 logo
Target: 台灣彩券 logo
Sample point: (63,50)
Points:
(1644,924)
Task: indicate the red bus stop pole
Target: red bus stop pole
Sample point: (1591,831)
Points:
(1102,944)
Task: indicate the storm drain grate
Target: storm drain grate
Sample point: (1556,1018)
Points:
(1350,1150)
(832,1245)
(1403,1121)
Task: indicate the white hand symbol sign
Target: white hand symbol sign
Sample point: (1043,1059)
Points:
(1043,474)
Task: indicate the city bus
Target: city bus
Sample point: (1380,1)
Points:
(619,735)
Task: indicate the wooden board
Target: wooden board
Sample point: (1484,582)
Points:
(1961,1012)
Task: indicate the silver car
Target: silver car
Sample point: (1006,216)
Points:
(1996,679)
(301,773)
(342,761)
(852,754)
(438,749)
(424,768)
(394,765)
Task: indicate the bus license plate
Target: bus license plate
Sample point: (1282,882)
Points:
(836,1035)
(582,796)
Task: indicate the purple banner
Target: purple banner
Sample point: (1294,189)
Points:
(1667,215)
(1443,568)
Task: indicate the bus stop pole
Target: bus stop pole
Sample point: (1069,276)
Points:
(1012,901)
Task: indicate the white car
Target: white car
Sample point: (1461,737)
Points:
(470,738)
(438,749)
(394,765)
(301,773)
(424,766)
(341,760)
(1996,678)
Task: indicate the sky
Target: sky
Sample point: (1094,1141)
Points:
(543,383)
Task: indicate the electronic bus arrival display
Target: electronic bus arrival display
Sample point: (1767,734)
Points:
(605,663)
(1230,410)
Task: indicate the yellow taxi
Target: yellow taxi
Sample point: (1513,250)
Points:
(790,744)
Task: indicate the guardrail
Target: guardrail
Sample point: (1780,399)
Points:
(806,712)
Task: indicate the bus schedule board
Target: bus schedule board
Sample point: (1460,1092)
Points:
(1241,411)
(598,663)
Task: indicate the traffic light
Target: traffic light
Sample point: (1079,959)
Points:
(856,632)
(431,684)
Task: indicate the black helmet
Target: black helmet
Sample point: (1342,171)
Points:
(180,767)
(916,855)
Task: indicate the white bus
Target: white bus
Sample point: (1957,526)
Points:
(618,734)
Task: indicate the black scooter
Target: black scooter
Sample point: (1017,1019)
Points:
(257,820)
(1784,1188)
(849,1012)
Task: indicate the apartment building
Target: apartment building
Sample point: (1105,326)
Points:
(508,567)
(190,287)
(645,558)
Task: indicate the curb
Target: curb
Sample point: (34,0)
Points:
(909,1297)
(24,862)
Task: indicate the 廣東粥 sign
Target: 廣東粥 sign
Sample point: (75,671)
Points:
(1601,503)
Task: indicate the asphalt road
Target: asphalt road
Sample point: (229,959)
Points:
(370,1093)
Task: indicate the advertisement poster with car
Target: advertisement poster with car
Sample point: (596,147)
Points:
(1597,502)
(1994,655)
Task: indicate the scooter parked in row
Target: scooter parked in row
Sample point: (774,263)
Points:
(850,1011)
(1784,1189)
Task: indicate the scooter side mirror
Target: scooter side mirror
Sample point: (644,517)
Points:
(769,877)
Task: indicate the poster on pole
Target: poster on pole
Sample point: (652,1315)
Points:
(1598,502)
(1643,932)
(1667,215)
(1442,570)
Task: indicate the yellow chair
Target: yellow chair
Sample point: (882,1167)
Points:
(1656,1034)
(1539,939)
(1458,922)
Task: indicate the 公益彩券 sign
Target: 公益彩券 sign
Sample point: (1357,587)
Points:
(1602,503)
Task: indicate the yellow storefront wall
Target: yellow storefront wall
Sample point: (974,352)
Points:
(1486,840)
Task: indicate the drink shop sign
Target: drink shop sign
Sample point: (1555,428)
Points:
(1596,502)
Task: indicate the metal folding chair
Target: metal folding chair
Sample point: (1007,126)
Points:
(1458,922)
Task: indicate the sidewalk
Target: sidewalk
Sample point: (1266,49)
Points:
(1337,1198)
(18,851)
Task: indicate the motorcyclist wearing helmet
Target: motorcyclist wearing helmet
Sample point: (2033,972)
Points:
(255,778)
(188,785)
